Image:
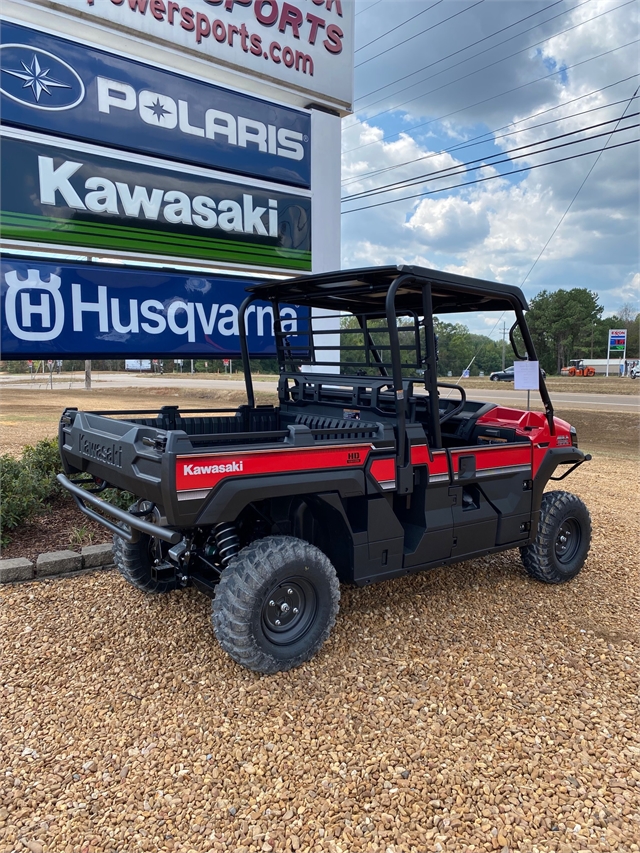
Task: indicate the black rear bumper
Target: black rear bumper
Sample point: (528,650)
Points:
(134,525)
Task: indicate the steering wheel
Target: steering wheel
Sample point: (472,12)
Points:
(460,406)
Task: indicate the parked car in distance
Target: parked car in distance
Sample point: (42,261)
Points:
(506,375)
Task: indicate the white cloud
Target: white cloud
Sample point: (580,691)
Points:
(497,229)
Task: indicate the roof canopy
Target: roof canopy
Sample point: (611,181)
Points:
(364,291)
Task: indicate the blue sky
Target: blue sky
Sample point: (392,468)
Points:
(543,69)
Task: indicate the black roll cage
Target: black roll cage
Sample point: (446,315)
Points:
(511,295)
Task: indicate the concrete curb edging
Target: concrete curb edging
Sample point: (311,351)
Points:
(56,563)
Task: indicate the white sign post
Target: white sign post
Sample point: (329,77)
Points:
(526,377)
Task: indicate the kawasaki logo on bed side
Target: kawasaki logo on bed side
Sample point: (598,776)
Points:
(110,454)
(230,468)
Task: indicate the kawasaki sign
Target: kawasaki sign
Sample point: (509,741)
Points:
(81,196)
(68,89)
(62,310)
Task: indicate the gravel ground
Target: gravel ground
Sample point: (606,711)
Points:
(467,709)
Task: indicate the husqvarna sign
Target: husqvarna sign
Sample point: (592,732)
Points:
(61,310)
(54,85)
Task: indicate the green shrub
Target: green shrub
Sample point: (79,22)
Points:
(26,483)
(44,457)
(118,498)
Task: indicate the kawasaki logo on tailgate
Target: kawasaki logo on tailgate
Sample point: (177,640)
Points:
(110,454)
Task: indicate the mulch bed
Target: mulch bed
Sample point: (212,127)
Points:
(61,527)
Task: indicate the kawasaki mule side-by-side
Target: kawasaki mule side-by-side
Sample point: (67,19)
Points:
(368,468)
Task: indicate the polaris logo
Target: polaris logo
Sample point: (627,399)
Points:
(228,468)
(37,78)
(161,111)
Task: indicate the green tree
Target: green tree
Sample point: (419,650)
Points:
(562,324)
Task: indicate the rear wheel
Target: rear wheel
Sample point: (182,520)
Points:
(562,542)
(134,561)
(275,604)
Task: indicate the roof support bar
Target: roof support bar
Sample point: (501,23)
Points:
(244,349)
(431,366)
(396,365)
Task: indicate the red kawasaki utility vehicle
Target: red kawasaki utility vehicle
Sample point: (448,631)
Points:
(368,468)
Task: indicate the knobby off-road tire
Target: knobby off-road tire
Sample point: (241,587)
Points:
(133,561)
(275,604)
(562,543)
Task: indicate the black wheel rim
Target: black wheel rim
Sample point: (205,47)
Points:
(567,540)
(289,610)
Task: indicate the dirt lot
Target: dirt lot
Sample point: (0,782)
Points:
(27,416)
(468,709)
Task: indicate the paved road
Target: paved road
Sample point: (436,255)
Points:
(501,395)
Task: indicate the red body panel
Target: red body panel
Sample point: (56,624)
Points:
(531,425)
(384,471)
(494,456)
(205,472)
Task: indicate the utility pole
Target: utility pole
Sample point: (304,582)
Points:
(87,375)
(504,341)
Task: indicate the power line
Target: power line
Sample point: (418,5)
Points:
(483,68)
(415,35)
(593,165)
(461,167)
(474,141)
(562,70)
(473,44)
(368,8)
(388,32)
(490,177)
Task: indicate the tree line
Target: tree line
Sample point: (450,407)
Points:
(564,324)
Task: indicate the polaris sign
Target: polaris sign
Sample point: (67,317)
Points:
(51,84)
(52,310)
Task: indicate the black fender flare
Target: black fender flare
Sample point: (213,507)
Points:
(553,457)
(234,494)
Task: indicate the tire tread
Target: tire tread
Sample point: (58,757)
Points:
(248,572)
(537,557)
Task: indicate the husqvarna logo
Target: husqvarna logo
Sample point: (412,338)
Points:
(22,306)
(39,79)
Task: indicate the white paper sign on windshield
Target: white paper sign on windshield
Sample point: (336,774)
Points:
(526,375)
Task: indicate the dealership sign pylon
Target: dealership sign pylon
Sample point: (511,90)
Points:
(201,139)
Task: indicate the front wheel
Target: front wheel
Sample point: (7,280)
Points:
(562,542)
(275,604)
